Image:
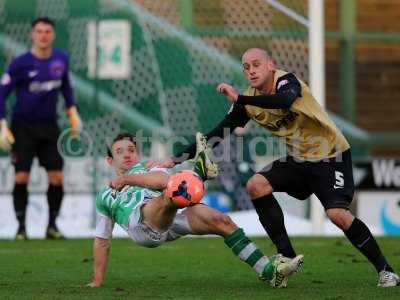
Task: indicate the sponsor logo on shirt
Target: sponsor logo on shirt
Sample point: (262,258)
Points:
(288,119)
(46,86)
(5,79)
(32,73)
(282,83)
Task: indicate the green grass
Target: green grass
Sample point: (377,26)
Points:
(186,269)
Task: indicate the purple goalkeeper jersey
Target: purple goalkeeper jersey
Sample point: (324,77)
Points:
(37,83)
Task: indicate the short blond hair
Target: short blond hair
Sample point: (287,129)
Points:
(262,51)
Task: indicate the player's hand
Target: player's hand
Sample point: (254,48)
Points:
(94,284)
(118,183)
(228,91)
(166,163)
(6,136)
(75,121)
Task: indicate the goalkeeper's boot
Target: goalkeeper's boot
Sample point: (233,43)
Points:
(52,233)
(388,279)
(282,271)
(21,234)
(203,165)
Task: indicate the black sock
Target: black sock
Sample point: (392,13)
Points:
(361,238)
(271,218)
(55,195)
(20,197)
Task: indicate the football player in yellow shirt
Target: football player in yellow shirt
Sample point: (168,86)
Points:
(318,157)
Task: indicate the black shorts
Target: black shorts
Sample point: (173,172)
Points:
(36,140)
(330,180)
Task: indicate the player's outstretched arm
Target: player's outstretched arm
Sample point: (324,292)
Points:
(288,90)
(101,249)
(152,180)
(236,117)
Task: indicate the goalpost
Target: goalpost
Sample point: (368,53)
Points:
(317,85)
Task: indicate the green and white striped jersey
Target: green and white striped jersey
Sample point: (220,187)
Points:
(119,205)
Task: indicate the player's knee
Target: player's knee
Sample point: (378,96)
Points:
(340,217)
(258,186)
(55,177)
(22,177)
(221,222)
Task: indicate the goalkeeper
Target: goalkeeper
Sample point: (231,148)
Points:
(38,76)
(318,159)
(135,201)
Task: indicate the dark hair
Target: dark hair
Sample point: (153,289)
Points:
(121,136)
(45,20)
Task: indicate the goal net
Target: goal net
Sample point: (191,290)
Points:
(179,51)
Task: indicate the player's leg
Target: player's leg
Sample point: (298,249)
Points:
(203,164)
(159,213)
(149,224)
(51,159)
(207,169)
(202,219)
(361,238)
(55,194)
(20,199)
(216,223)
(23,152)
(335,189)
(280,176)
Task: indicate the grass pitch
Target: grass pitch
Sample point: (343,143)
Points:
(187,269)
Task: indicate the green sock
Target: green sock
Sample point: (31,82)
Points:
(248,252)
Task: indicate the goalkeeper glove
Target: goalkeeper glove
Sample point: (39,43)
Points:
(6,136)
(74,120)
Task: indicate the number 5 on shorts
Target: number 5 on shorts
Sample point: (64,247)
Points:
(339,183)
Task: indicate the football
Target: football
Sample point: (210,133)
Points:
(185,188)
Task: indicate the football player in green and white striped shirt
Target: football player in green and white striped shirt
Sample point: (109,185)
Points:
(135,201)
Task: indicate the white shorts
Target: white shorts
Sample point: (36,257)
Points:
(146,236)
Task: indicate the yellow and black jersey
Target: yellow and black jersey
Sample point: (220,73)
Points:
(305,126)
(289,112)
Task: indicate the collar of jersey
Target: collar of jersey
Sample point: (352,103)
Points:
(134,166)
